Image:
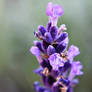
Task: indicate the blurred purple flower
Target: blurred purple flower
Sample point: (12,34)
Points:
(75,70)
(54,12)
(35,51)
(72,52)
(56,61)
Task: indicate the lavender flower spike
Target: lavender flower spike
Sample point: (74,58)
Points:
(57,66)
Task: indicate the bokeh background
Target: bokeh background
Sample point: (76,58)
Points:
(19,19)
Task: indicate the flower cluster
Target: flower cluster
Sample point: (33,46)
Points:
(57,66)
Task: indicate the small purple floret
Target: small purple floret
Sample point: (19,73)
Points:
(75,70)
(35,51)
(54,11)
(50,50)
(56,61)
(72,52)
(42,30)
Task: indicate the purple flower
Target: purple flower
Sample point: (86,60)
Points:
(38,70)
(39,88)
(38,44)
(62,28)
(50,50)
(53,31)
(42,30)
(54,12)
(61,37)
(35,51)
(48,37)
(61,47)
(56,61)
(57,66)
(75,70)
(72,52)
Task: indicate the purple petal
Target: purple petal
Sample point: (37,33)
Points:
(75,70)
(48,26)
(38,70)
(64,81)
(39,58)
(62,37)
(37,34)
(49,9)
(72,52)
(48,37)
(36,84)
(45,63)
(66,67)
(57,10)
(50,50)
(45,45)
(55,88)
(35,51)
(66,41)
(50,80)
(75,81)
(47,91)
(40,89)
(56,61)
(70,89)
(53,32)
(61,47)
(54,10)
(39,45)
(42,30)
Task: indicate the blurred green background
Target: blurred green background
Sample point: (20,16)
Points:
(19,19)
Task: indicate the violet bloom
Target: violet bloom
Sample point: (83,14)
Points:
(57,67)
(72,52)
(35,51)
(56,61)
(75,70)
(54,12)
